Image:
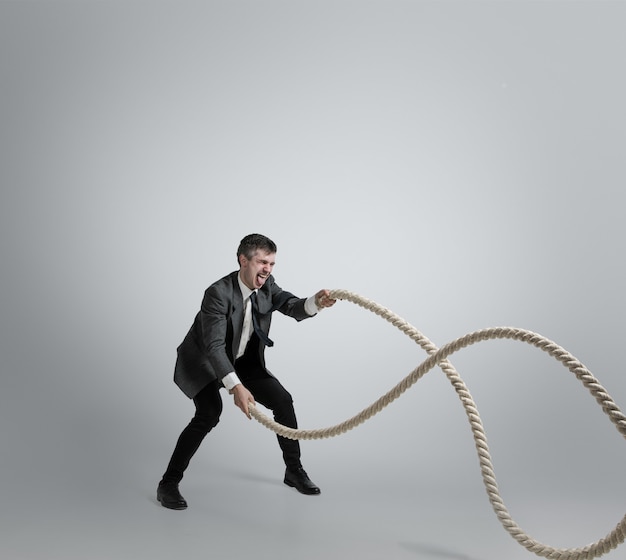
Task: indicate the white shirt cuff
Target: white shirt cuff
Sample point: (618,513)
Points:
(230,380)
(310,306)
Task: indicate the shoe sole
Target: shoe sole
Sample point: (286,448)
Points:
(177,508)
(292,485)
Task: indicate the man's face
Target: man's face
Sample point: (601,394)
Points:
(254,272)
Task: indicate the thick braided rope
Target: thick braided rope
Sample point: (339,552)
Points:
(438,357)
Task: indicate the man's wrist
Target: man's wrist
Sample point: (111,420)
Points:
(230,380)
(310,306)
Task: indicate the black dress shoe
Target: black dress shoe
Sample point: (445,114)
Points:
(170,497)
(298,479)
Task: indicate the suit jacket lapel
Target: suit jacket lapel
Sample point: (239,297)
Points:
(264,301)
(236,314)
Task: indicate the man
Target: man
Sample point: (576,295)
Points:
(225,348)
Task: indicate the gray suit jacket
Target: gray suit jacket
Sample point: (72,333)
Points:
(208,351)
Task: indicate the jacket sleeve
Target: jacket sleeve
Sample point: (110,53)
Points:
(216,330)
(288,304)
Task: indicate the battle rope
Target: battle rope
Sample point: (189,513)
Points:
(438,357)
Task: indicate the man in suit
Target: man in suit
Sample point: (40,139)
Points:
(225,348)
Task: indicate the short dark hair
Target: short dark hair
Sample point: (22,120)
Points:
(252,242)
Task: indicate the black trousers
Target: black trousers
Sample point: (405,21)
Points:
(266,390)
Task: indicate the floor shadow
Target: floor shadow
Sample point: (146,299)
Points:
(434,552)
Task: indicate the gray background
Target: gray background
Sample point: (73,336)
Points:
(462,163)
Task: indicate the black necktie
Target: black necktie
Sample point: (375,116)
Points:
(255,322)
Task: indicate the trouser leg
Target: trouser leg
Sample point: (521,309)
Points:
(208,405)
(270,393)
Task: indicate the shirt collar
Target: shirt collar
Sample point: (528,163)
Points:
(245,291)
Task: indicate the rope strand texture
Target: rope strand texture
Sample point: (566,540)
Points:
(438,357)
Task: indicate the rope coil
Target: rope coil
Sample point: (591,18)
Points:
(438,357)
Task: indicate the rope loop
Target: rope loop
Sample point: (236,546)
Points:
(439,357)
